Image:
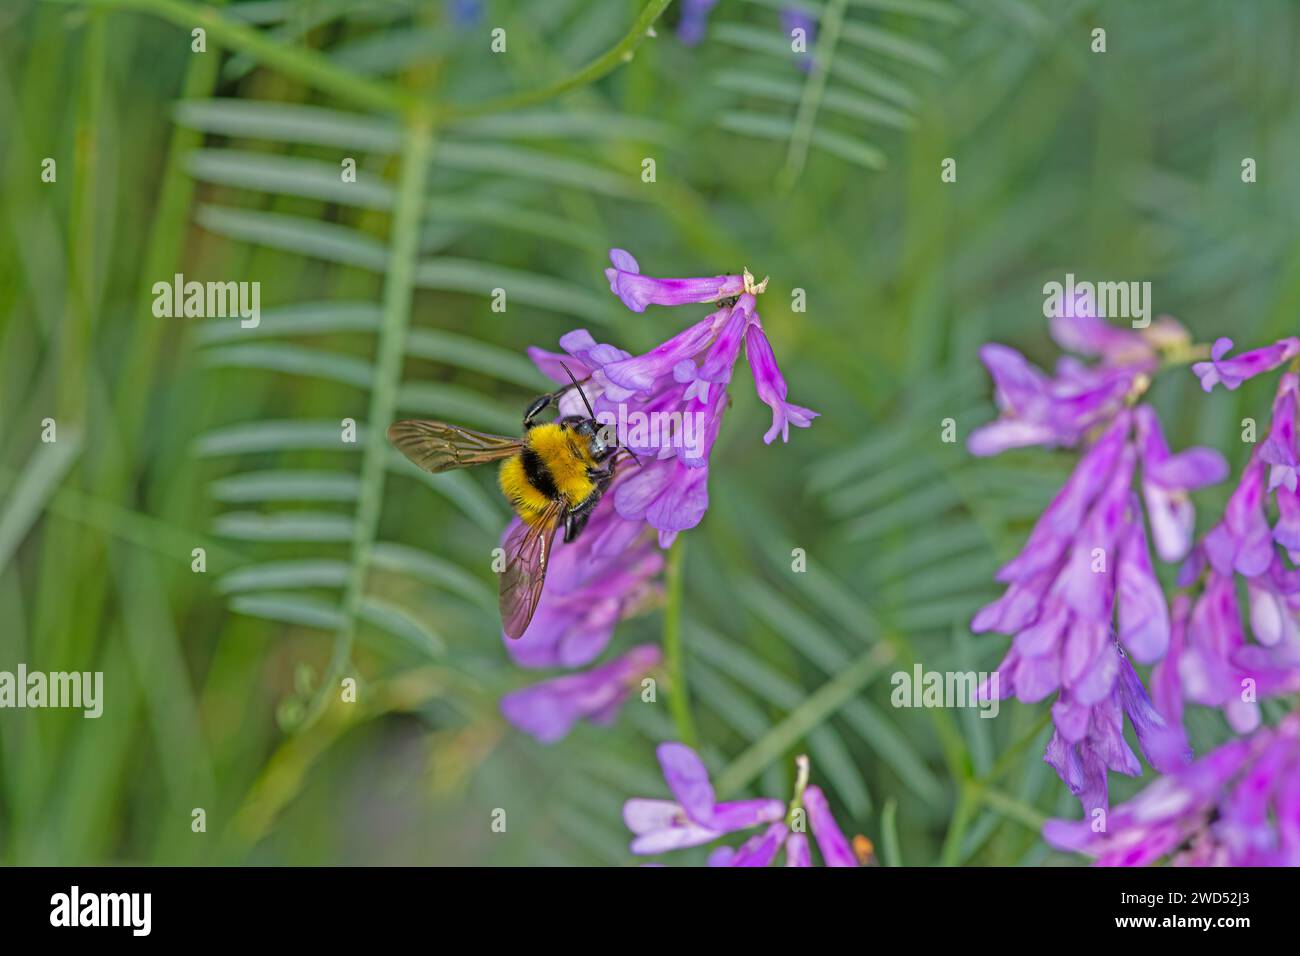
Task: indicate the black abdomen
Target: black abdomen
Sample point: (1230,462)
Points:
(539,476)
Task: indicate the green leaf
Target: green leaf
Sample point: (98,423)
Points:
(307,318)
(853,105)
(284,526)
(481,278)
(276,435)
(404,559)
(289,176)
(40,479)
(293,360)
(403,625)
(461,490)
(289,123)
(465,210)
(285,575)
(307,237)
(254,486)
(927,9)
(772,126)
(565,125)
(891,855)
(451,403)
(289,608)
(876,732)
(892,44)
(465,352)
(922,504)
(737,711)
(535,164)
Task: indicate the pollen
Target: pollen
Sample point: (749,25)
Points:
(863,849)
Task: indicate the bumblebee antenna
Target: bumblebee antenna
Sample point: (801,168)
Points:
(590,410)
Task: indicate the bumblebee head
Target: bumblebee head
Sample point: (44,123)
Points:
(601,442)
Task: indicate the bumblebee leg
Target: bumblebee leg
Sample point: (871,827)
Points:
(540,404)
(573,524)
(576,518)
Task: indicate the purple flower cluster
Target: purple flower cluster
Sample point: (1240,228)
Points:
(548,710)
(1082,594)
(1216,666)
(1061,409)
(695,817)
(1237,806)
(611,570)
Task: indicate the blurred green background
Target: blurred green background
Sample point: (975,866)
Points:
(176,434)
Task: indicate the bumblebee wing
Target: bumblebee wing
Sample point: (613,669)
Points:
(436,446)
(528,548)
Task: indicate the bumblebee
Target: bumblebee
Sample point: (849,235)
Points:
(553,476)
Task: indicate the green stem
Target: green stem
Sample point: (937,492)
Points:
(1012,808)
(398,288)
(319,71)
(597,68)
(1009,756)
(306,65)
(967,802)
(806,116)
(802,769)
(679,701)
(819,705)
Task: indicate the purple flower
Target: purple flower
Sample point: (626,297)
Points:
(1274,605)
(1061,410)
(1083,584)
(1242,541)
(835,849)
(1279,451)
(695,817)
(793,18)
(1089,738)
(548,710)
(1207,669)
(638,291)
(695,18)
(1287,530)
(761,850)
(1166,684)
(464,13)
(1077,328)
(591,584)
(1237,806)
(1166,480)
(666,406)
(1231,372)
(771,388)
(1037,410)
(797,852)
